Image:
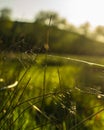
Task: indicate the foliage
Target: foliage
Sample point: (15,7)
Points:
(18,36)
(5,14)
(65,96)
(44,16)
(41,91)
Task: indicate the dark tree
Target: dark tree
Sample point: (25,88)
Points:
(5,14)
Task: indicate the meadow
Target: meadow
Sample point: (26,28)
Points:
(48,92)
(40,90)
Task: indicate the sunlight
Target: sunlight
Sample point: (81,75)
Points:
(76,12)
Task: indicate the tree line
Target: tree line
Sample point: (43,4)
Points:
(63,37)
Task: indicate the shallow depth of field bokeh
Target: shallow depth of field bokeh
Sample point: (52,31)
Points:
(51,74)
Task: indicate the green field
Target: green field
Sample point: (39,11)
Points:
(47,92)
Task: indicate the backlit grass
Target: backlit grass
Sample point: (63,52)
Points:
(50,94)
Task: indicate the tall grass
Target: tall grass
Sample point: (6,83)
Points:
(47,92)
(47,97)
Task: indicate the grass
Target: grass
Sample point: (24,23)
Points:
(51,93)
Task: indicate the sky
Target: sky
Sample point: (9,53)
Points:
(76,12)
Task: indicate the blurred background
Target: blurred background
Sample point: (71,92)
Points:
(27,21)
(51,64)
